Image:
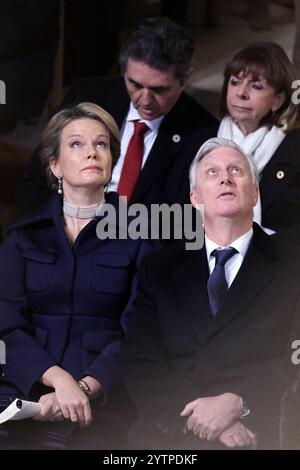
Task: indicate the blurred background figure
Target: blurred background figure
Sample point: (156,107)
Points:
(91,37)
(29,34)
(177,10)
(290,416)
(260,13)
(296,46)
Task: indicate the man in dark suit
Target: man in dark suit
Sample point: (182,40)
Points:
(156,63)
(207,350)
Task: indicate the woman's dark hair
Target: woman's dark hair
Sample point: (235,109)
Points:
(267,60)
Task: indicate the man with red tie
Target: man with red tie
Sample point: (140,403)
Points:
(161,126)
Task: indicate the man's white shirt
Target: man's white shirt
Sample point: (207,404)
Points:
(233,265)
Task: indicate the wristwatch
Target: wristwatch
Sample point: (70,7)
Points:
(244,409)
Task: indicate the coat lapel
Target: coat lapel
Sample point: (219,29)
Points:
(278,175)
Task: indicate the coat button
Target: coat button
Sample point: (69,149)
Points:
(176,138)
(280,174)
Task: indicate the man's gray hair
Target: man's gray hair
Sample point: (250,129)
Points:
(213,144)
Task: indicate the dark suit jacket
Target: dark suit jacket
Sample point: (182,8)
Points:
(280,197)
(176,352)
(164,178)
(61,304)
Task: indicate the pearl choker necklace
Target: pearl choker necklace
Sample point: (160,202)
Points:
(82,212)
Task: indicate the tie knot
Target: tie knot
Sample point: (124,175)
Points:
(140,128)
(222,256)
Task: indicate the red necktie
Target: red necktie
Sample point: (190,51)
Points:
(133,160)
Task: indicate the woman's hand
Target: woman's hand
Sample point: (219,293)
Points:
(94,387)
(50,410)
(74,404)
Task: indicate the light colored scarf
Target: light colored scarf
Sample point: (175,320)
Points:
(260,145)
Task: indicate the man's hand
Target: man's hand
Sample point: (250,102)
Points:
(238,435)
(50,409)
(208,417)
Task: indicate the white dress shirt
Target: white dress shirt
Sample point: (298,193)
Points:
(126,134)
(234,263)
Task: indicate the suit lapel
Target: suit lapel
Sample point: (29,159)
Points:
(190,278)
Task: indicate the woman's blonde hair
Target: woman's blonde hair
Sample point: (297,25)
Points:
(51,137)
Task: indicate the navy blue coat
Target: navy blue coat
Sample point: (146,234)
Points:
(61,304)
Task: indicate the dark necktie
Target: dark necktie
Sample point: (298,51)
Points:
(133,160)
(217,285)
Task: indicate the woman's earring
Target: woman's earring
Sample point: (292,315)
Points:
(59,189)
